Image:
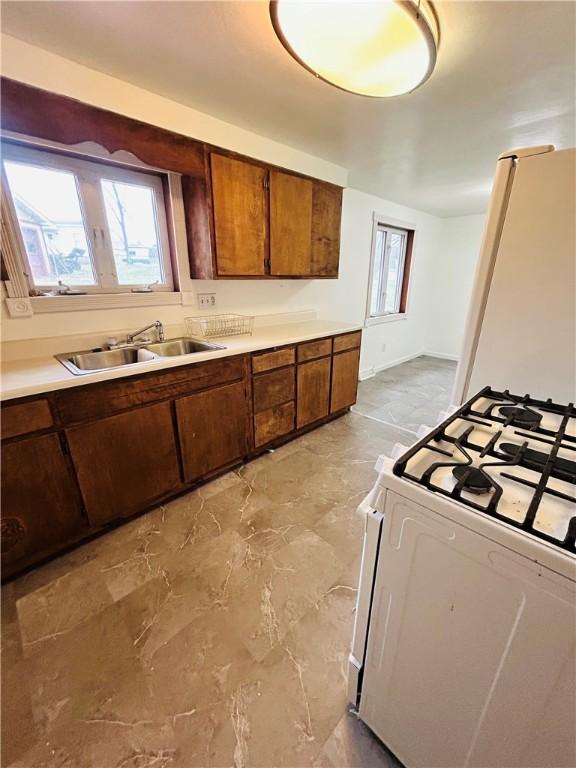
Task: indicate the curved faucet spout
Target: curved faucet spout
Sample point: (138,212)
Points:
(156,324)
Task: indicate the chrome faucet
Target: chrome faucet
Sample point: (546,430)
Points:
(156,324)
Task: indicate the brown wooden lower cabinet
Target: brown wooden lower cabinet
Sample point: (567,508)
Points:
(273,388)
(313,391)
(344,379)
(213,428)
(138,441)
(20,419)
(267,361)
(40,502)
(125,462)
(274,423)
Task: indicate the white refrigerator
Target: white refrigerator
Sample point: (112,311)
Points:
(521,328)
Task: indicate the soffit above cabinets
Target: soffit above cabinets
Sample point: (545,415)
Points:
(504,78)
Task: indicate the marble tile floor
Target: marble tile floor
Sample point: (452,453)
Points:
(409,394)
(212,631)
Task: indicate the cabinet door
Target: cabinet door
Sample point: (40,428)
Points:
(290,224)
(213,429)
(126,462)
(313,391)
(240,202)
(326,216)
(344,379)
(40,500)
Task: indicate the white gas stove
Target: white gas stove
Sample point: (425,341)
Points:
(464,643)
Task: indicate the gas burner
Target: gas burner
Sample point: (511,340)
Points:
(521,417)
(475,481)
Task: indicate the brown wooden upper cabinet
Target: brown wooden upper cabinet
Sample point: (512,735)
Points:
(290,224)
(271,223)
(240,205)
(326,217)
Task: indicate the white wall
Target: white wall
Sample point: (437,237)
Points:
(451,283)
(343,299)
(390,342)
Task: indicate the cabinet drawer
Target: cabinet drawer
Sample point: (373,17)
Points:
(273,388)
(270,360)
(27,417)
(347,341)
(273,423)
(98,400)
(313,349)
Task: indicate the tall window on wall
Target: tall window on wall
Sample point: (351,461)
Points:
(95,227)
(391,255)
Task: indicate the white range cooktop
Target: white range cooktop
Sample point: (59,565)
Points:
(510,457)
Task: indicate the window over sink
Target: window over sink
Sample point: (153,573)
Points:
(390,271)
(94,227)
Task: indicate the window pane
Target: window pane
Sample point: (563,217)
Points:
(50,217)
(131,216)
(377,272)
(394,276)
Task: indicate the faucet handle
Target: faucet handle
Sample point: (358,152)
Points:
(147,288)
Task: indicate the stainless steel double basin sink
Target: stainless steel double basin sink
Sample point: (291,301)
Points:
(95,360)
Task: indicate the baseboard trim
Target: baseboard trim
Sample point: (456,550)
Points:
(368,373)
(442,356)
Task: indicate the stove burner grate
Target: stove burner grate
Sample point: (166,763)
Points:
(508,409)
(520,417)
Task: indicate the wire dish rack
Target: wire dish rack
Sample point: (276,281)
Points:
(210,326)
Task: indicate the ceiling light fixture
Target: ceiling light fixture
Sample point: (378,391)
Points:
(379,48)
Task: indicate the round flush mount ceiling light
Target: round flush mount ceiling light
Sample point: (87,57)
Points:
(380,48)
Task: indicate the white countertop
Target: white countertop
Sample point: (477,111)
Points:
(20,378)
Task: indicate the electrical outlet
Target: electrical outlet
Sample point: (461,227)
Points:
(206,300)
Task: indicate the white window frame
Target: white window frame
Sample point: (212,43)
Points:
(89,174)
(391,225)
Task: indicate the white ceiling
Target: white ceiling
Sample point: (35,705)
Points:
(505,78)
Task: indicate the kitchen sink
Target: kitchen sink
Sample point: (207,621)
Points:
(90,361)
(182,346)
(95,360)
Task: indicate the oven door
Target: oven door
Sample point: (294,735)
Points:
(372,533)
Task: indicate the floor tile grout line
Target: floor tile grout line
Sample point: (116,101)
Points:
(387,423)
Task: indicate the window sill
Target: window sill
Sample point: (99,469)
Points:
(41,304)
(392,318)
